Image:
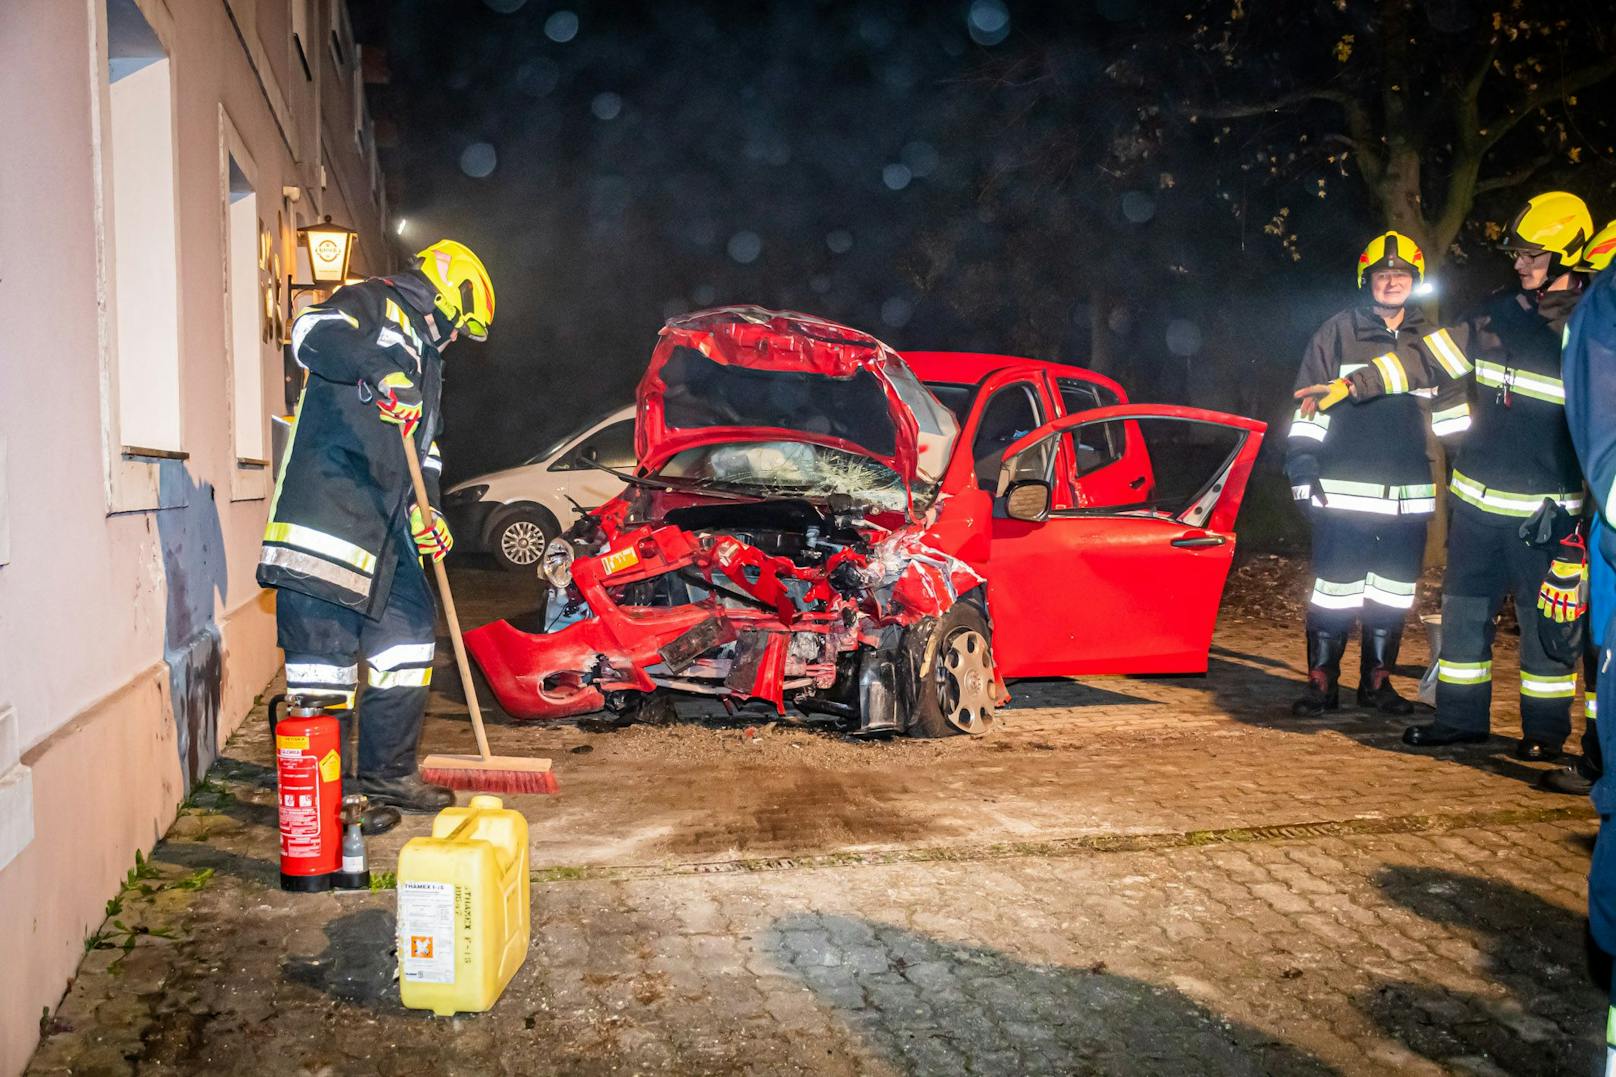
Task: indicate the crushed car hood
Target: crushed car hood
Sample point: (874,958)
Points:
(746,374)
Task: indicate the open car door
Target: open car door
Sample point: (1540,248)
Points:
(1124,539)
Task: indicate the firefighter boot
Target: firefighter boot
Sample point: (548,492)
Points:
(407,793)
(376,818)
(1378,656)
(1324,651)
(1578,779)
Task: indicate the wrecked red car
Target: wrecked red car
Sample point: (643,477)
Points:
(817,522)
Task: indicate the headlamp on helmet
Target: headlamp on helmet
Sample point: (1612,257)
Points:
(1391,250)
(1557,223)
(465,295)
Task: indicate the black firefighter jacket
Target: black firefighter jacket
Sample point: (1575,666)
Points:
(337,523)
(1368,455)
(1518,450)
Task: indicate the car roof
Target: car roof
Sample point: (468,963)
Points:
(971,368)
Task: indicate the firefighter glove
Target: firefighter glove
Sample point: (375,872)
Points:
(399,401)
(1312,399)
(430,541)
(1337,391)
(1563,597)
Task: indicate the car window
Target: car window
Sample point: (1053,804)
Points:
(611,445)
(1079,395)
(1095,444)
(956,398)
(1011,413)
(1174,467)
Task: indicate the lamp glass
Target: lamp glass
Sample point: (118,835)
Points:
(329,246)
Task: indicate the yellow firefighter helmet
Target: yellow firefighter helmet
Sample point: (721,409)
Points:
(1557,223)
(1596,257)
(465,294)
(1391,250)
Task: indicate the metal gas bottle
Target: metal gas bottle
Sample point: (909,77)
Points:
(308,782)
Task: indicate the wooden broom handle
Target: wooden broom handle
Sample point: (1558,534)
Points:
(425,506)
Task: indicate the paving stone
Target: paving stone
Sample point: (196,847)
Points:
(1281,896)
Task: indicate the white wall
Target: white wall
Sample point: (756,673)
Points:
(132,640)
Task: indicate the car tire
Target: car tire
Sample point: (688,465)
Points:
(517,541)
(948,674)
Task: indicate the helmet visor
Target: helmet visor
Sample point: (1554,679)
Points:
(474,317)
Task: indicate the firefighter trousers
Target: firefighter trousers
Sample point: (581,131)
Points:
(325,643)
(1365,566)
(1486,561)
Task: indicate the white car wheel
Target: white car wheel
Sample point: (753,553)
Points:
(520,543)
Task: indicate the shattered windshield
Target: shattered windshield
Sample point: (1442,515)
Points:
(701,393)
(794,468)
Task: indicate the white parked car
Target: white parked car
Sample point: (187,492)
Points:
(514,513)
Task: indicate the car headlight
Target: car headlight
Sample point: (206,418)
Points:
(556,565)
(465,495)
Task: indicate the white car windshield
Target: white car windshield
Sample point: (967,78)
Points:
(561,442)
(789,468)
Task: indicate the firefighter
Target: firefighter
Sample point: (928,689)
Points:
(1589,370)
(1517,454)
(1362,473)
(345,540)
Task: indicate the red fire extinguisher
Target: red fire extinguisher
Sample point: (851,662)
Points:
(308,781)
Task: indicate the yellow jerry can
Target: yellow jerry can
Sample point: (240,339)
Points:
(463,908)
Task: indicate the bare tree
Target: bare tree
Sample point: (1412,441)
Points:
(1431,104)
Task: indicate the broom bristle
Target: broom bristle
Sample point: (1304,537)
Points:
(497,774)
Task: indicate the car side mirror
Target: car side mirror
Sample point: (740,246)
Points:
(1027,500)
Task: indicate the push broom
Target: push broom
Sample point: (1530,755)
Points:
(484,772)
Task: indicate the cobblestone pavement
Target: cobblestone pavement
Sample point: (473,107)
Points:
(1166,875)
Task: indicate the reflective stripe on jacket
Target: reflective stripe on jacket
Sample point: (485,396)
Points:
(336,523)
(1518,449)
(1369,456)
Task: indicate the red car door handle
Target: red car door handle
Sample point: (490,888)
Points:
(1197,539)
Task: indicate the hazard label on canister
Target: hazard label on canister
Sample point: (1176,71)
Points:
(426,932)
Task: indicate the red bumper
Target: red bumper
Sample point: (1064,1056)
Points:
(519,665)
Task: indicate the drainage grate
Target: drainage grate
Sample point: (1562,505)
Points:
(1098,843)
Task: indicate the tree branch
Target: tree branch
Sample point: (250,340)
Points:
(1472,88)
(1548,95)
(1510,179)
(1263,108)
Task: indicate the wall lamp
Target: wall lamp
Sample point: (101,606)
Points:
(329,248)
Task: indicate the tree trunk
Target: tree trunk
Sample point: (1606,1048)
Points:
(1101,358)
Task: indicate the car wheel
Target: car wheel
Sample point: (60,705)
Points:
(950,674)
(518,542)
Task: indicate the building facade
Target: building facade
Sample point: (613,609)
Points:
(162,155)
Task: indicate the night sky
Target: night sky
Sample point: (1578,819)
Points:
(962,175)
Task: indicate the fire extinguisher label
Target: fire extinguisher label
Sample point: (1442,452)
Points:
(299,807)
(331,766)
(288,744)
(426,932)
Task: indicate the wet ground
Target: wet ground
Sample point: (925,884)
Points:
(1129,875)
